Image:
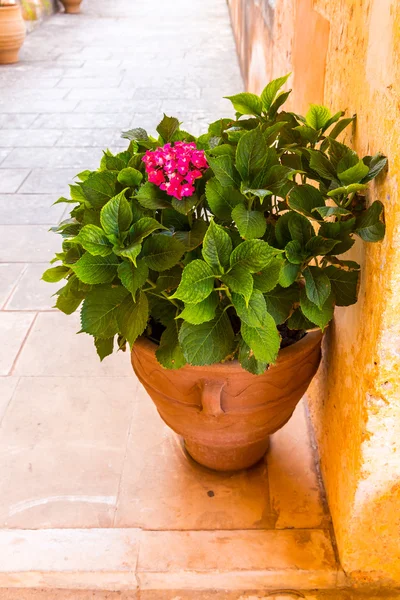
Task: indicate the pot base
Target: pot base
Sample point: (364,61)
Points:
(227,458)
(8,57)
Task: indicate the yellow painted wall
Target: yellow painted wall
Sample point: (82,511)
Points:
(355,399)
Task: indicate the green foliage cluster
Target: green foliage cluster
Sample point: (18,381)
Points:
(214,277)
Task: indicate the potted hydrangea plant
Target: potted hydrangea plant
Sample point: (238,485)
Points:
(12,31)
(218,260)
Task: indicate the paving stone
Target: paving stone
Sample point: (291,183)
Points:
(100,93)
(38,106)
(48,181)
(31,292)
(65,441)
(3,154)
(108,106)
(9,276)
(54,349)
(20,138)
(11,179)
(13,330)
(7,388)
(101,138)
(89,82)
(116,121)
(54,157)
(16,121)
(29,209)
(27,243)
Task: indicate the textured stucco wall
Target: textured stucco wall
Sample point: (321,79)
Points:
(347,55)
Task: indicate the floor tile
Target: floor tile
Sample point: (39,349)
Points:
(49,181)
(85,120)
(30,209)
(11,179)
(77,158)
(16,121)
(63,445)
(158,475)
(9,276)
(27,243)
(13,330)
(7,388)
(31,292)
(24,138)
(55,349)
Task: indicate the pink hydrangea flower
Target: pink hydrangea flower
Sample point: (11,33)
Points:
(174,168)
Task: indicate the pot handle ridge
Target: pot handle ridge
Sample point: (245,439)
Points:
(211,397)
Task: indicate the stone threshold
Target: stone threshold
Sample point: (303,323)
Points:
(132,559)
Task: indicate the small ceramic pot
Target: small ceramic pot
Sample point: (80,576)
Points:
(72,7)
(224,413)
(12,33)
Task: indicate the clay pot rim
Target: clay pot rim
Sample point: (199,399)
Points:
(286,355)
(10,8)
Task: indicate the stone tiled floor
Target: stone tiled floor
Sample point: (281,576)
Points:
(81,445)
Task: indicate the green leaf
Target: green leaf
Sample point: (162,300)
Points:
(318,286)
(339,231)
(222,200)
(116,215)
(111,162)
(295,253)
(319,245)
(280,302)
(185,205)
(162,252)
(347,189)
(217,247)
(55,274)
(307,133)
(142,228)
(300,228)
(253,255)
(104,346)
(207,343)
(269,92)
(133,277)
(130,177)
(268,278)
(280,99)
(132,317)
(250,154)
(224,169)
(202,312)
(239,280)
(249,362)
(138,134)
(329,211)
(322,165)
(169,353)
(94,240)
(96,269)
(77,194)
(304,198)
(369,226)
(298,321)
(99,310)
(317,116)
(375,164)
(168,127)
(319,316)
(193,238)
(99,188)
(150,196)
(344,285)
(261,194)
(68,303)
(288,274)
(196,284)
(282,232)
(354,174)
(250,223)
(131,252)
(169,280)
(264,341)
(246,103)
(254,313)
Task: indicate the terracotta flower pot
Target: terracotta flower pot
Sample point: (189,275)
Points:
(12,33)
(224,413)
(72,7)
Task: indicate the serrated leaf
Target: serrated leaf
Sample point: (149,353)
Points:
(318,245)
(138,134)
(132,317)
(168,127)
(96,269)
(329,211)
(268,278)
(239,280)
(133,277)
(207,343)
(298,321)
(193,238)
(280,302)
(55,274)
(288,274)
(355,174)
(307,133)
(269,92)
(248,360)
(104,346)
(252,313)
(202,312)
(320,163)
(224,170)
(185,205)
(250,154)
(246,103)
(162,252)
(318,285)
(317,116)
(197,282)
(375,164)
(253,255)
(130,177)
(142,228)
(222,200)
(116,215)
(344,285)
(99,309)
(169,353)
(99,188)
(261,194)
(217,247)
(68,303)
(169,280)
(295,252)
(264,341)
(300,228)
(131,252)
(319,316)
(150,196)
(347,189)
(304,198)
(94,240)
(369,226)
(250,223)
